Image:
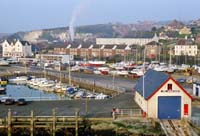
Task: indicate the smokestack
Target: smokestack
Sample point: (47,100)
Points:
(78,10)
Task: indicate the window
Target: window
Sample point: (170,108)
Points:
(185,109)
(169,87)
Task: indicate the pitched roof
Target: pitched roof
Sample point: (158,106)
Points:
(152,81)
(74,46)
(86,46)
(109,46)
(25,43)
(153,43)
(96,46)
(121,46)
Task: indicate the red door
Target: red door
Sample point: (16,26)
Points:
(185,109)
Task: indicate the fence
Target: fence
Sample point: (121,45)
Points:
(129,113)
(195,121)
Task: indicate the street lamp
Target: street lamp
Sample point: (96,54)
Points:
(113,80)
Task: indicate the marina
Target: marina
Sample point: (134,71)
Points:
(30,94)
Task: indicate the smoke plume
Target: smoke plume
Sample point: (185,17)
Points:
(78,10)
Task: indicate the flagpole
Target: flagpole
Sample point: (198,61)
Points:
(144,109)
(143,72)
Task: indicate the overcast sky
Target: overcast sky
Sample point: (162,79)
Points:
(25,15)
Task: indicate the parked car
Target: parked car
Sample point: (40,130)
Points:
(9,101)
(181,80)
(21,101)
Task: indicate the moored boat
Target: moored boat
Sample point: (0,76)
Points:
(18,80)
(3,81)
(2,90)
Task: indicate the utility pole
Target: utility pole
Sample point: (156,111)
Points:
(113,80)
(60,72)
(69,76)
(143,87)
(25,60)
(86,105)
(170,57)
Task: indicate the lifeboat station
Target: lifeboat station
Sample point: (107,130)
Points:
(161,97)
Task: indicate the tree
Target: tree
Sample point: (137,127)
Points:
(154,29)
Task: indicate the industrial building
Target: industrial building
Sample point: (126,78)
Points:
(160,96)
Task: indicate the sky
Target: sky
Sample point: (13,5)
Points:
(26,15)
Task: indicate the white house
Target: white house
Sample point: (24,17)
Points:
(160,96)
(16,48)
(188,50)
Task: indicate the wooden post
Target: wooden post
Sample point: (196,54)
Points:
(76,119)
(32,123)
(86,105)
(54,122)
(9,123)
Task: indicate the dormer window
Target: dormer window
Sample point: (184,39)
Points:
(169,87)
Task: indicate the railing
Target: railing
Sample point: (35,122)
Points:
(41,98)
(128,112)
(195,121)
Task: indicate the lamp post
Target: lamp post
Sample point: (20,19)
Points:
(113,80)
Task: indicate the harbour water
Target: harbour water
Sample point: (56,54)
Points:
(30,94)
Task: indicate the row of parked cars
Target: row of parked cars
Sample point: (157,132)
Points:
(11,101)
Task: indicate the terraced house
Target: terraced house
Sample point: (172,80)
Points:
(93,50)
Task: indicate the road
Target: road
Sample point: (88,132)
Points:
(95,108)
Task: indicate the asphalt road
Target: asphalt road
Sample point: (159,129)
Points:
(96,108)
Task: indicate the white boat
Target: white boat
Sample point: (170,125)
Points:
(18,80)
(183,67)
(97,72)
(79,94)
(91,95)
(114,72)
(138,72)
(170,70)
(75,68)
(161,68)
(3,63)
(101,96)
(96,63)
(47,84)
(123,73)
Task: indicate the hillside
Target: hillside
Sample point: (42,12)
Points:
(85,33)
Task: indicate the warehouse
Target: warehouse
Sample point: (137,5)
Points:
(160,96)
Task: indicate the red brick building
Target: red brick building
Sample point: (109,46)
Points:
(90,50)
